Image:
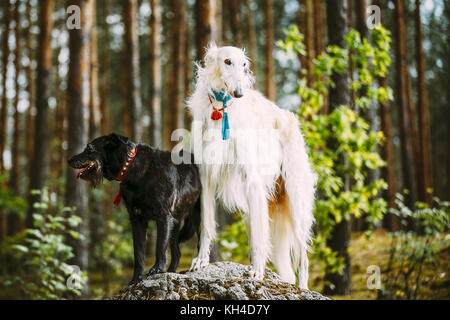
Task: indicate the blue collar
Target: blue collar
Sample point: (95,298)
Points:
(223,97)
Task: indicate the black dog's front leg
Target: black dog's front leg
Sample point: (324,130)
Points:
(164,225)
(139,230)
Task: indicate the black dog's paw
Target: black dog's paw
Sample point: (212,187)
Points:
(154,270)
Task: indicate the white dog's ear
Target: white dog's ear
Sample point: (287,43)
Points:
(211,53)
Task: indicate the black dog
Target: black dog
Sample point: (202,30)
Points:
(152,187)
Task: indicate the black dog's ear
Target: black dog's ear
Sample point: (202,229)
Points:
(116,139)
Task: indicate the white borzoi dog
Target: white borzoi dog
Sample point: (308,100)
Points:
(252,158)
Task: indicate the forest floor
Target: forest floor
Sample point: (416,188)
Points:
(364,251)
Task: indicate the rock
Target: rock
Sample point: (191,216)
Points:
(220,280)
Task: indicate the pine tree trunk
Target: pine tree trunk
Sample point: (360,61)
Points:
(318,27)
(235,22)
(447,13)
(14,223)
(133,103)
(424,161)
(105,73)
(251,38)
(403,101)
(309,39)
(387,153)
(78,92)
(187,69)
(40,163)
(361,17)
(4,98)
(155,75)
(173,115)
(59,134)
(30,90)
(204,26)
(390,221)
(339,240)
(96,221)
(269,86)
(15,163)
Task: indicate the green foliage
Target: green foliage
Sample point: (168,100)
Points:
(8,200)
(342,146)
(36,260)
(411,249)
(233,241)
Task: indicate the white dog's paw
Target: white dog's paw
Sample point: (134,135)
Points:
(255,274)
(199,263)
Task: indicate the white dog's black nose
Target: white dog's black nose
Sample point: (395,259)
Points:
(238,93)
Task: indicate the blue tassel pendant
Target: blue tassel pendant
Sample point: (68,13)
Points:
(225,126)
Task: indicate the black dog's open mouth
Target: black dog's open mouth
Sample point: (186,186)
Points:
(85,169)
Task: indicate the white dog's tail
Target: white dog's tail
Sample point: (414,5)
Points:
(291,226)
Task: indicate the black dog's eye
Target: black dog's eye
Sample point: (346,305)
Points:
(227,61)
(90,148)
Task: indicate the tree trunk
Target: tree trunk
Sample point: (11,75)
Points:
(40,163)
(78,92)
(309,39)
(318,27)
(59,132)
(424,161)
(14,223)
(4,99)
(96,221)
(133,103)
(187,68)
(174,110)
(269,71)
(361,17)
(387,153)
(403,101)
(251,38)
(105,74)
(447,13)
(30,90)
(94,102)
(339,240)
(390,221)
(155,75)
(204,26)
(15,163)
(235,22)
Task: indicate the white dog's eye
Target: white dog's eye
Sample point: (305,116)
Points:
(227,61)
(245,64)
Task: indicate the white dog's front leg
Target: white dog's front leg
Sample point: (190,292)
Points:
(258,232)
(208,228)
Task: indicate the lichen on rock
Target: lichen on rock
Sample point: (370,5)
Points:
(217,281)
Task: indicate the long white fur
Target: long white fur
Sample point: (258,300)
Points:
(244,184)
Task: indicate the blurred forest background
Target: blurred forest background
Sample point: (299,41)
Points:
(374,107)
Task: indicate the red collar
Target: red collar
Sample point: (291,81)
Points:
(123,173)
(126,164)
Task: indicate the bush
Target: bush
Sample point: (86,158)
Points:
(411,250)
(37,260)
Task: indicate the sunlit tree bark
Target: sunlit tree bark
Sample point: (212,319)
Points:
(41,159)
(424,161)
